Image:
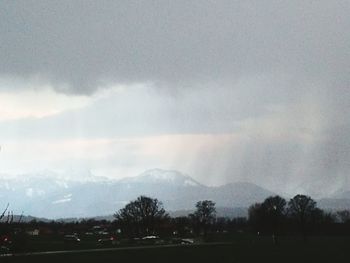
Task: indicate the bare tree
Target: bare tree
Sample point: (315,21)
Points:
(269,215)
(142,215)
(205,214)
(344,216)
(302,208)
(4,212)
(274,209)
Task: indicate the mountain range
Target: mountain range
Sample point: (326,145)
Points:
(50,196)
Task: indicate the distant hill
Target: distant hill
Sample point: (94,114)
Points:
(340,200)
(50,196)
(25,219)
(220,212)
(342,194)
(334,204)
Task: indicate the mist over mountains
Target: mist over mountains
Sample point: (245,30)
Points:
(49,196)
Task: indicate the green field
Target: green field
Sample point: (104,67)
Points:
(320,249)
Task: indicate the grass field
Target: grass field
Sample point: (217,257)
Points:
(320,249)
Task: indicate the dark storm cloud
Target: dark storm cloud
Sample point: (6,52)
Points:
(79,46)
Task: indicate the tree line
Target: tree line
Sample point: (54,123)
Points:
(146,216)
(274,216)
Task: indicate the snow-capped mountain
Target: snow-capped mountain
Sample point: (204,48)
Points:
(156,176)
(51,196)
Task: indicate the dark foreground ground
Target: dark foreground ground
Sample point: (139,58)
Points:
(329,249)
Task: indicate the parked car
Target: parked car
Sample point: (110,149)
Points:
(4,250)
(5,241)
(5,244)
(151,240)
(105,241)
(71,239)
(182,241)
(187,241)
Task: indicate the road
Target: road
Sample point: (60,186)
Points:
(109,249)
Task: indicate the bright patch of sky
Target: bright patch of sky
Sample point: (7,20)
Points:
(34,104)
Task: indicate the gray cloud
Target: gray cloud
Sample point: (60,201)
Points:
(78,46)
(275,72)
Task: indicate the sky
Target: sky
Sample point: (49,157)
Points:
(224,91)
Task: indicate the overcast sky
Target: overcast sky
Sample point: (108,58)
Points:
(223,91)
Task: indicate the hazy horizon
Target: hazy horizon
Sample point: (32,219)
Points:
(224,91)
